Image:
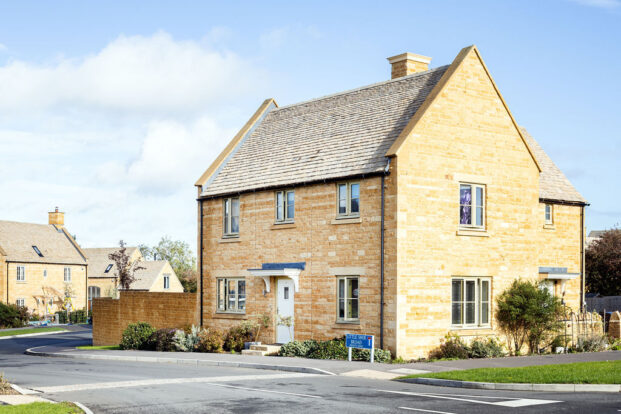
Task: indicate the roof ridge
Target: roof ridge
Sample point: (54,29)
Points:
(361,88)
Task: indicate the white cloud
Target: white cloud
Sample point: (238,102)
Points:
(275,38)
(117,139)
(604,4)
(3,47)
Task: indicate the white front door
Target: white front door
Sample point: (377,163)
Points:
(284,300)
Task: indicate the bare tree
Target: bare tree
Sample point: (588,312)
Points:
(125,268)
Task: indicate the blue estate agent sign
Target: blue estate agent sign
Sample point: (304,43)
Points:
(359,341)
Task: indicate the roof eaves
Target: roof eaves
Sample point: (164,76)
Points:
(74,244)
(231,148)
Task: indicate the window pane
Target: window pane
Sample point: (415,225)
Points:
(352,308)
(227,210)
(457,312)
(221,294)
(465,203)
(235,215)
(290,204)
(280,209)
(241,294)
(353,289)
(470,290)
(355,198)
(232,291)
(342,308)
(469,312)
(479,216)
(341,288)
(484,312)
(484,297)
(457,290)
(342,199)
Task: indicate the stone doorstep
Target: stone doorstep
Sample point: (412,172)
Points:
(516,386)
(261,350)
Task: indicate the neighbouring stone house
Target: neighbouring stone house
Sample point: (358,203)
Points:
(399,209)
(41,266)
(157,275)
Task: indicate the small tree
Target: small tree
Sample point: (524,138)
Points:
(603,264)
(181,259)
(125,268)
(526,313)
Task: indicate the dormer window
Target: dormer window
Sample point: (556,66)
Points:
(108,268)
(37,251)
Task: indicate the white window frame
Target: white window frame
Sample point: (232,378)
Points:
(348,213)
(478,302)
(21,273)
(548,220)
(92,289)
(22,304)
(284,204)
(473,206)
(67,274)
(346,298)
(223,282)
(166,281)
(227,217)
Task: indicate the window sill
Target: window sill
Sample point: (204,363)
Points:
(229,315)
(471,328)
(230,240)
(284,225)
(347,220)
(549,226)
(472,232)
(21,282)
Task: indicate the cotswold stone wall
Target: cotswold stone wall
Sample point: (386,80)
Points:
(162,310)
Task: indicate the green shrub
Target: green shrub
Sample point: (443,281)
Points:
(210,340)
(380,355)
(616,345)
(331,349)
(451,347)
(237,335)
(186,341)
(162,340)
(485,348)
(13,316)
(299,349)
(136,336)
(595,343)
(527,314)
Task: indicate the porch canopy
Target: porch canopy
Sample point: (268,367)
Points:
(290,270)
(558,273)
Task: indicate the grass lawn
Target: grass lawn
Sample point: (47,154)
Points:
(606,372)
(41,408)
(30,331)
(101,347)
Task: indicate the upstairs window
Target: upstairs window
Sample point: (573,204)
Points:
(348,200)
(231,216)
(285,206)
(108,268)
(472,206)
(67,275)
(37,251)
(21,274)
(166,281)
(549,214)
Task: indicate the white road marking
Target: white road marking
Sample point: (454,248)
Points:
(519,402)
(164,381)
(425,411)
(261,390)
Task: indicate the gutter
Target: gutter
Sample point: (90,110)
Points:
(566,203)
(386,170)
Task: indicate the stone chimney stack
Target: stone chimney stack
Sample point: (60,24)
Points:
(56,218)
(407,64)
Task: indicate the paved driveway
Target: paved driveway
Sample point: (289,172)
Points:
(132,387)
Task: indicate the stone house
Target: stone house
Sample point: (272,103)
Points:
(41,266)
(157,275)
(399,209)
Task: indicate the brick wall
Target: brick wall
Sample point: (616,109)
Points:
(162,310)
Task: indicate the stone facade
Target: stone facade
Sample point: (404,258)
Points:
(464,133)
(161,310)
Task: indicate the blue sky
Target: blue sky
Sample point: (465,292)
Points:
(111,110)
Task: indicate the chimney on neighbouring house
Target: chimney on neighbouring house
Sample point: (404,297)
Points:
(56,218)
(407,64)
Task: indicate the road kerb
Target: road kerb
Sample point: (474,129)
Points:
(515,386)
(184,361)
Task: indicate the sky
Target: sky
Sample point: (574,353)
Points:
(112,110)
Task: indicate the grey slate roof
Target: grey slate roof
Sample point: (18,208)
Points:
(17,239)
(98,260)
(345,134)
(335,136)
(553,185)
(596,233)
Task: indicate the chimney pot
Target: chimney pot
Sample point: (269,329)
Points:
(407,64)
